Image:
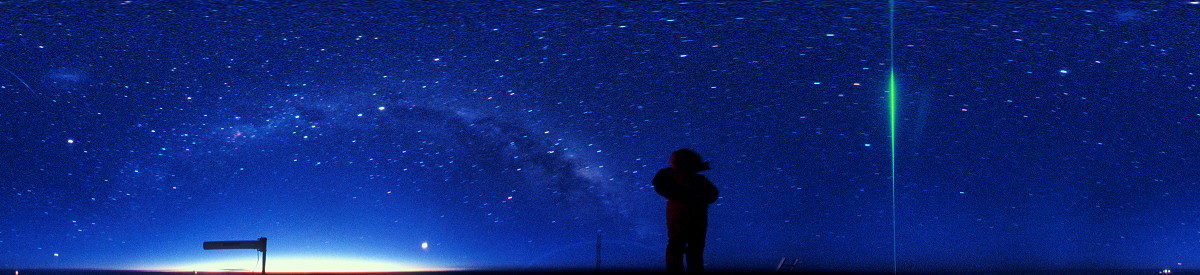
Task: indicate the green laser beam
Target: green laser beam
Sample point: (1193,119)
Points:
(893,97)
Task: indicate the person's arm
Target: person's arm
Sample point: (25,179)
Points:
(709,193)
(664,184)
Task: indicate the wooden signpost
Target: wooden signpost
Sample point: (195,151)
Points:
(260,244)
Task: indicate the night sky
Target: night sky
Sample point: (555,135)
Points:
(508,134)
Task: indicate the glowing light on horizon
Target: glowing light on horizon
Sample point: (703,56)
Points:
(301,265)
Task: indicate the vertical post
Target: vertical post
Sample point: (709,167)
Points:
(598,239)
(263,240)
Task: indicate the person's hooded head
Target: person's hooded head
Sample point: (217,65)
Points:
(688,161)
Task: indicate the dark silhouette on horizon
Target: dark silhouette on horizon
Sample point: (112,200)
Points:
(688,195)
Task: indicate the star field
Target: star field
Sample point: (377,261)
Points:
(451,134)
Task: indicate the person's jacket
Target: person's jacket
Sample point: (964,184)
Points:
(689,188)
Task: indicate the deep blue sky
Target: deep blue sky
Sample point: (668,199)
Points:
(1033,134)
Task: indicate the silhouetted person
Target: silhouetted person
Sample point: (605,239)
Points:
(688,196)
